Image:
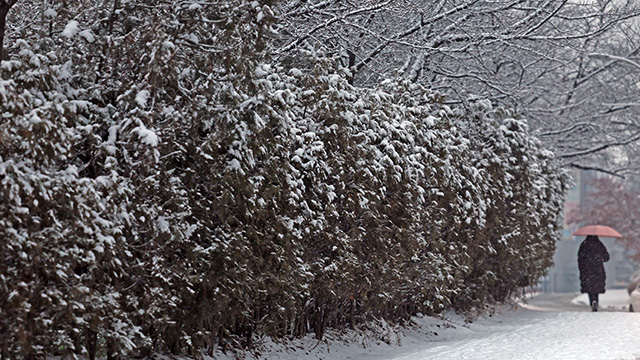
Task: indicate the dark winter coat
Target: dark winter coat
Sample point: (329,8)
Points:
(591,258)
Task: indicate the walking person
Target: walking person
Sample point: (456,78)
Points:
(592,255)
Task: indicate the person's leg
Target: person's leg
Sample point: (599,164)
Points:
(593,301)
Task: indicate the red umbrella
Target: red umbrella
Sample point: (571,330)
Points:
(598,230)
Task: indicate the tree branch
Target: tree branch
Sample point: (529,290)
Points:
(614,58)
(566,130)
(330,22)
(595,149)
(412,30)
(593,168)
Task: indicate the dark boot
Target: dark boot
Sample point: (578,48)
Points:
(593,301)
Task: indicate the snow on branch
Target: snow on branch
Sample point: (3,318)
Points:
(599,148)
(335,19)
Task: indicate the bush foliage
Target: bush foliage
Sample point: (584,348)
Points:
(168,185)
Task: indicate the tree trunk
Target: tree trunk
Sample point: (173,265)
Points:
(5,5)
(249,334)
(320,322)
(110,349)
(112,17)
(4,10)
(213,339)
(352,312)
(92,344)
(317,323)
(352,64)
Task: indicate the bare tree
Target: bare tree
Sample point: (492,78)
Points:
(534,56)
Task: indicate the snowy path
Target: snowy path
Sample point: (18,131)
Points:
(557,326)
(531,334)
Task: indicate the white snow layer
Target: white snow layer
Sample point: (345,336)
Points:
(526,333)
(142,97)
(88,35)
(146,136)
(50,13)
(71,29)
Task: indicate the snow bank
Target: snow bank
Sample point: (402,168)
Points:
(520,334)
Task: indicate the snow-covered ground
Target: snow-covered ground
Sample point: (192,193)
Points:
(610,300)
(558,326)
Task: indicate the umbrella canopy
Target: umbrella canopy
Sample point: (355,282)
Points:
(598,230)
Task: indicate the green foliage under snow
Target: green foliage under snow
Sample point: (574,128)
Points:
(166,185)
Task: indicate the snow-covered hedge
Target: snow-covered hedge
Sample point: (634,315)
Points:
(193,192)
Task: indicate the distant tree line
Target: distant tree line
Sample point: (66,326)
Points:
(166,185)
